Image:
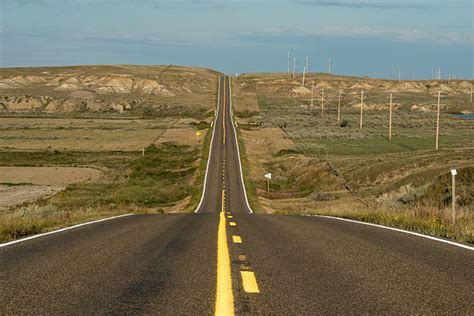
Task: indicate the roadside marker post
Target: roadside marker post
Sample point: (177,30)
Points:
(312,94)
(471,93)
(268,176)
(453,176)
(198,136)
(143,151)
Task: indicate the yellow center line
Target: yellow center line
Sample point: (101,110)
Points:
(224,294)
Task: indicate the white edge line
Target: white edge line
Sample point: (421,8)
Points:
(210,146)
(452,243)
(237,143)
(61,230)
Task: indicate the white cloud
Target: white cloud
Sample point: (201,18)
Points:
(361,4)
(395,34)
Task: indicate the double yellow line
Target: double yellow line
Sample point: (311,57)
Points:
(224,294)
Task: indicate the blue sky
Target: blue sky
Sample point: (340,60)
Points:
(362,37)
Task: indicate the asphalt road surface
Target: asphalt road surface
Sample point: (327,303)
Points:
(225,260)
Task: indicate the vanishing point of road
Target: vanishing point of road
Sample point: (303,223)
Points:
(225,260)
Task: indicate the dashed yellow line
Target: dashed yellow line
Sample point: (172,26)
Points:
(249,282)
(236,239)
(224,293)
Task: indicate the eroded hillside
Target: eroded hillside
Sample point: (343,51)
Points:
(142,90)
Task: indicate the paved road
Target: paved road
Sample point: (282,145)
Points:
(224,259)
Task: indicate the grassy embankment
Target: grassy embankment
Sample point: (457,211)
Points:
(340,170)
(153,183)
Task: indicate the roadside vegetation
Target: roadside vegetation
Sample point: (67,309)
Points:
(322,166)
(160,181)
(141,133)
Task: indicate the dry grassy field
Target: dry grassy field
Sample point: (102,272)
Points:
(79,143)
(324,166)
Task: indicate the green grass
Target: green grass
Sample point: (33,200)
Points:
(160,178)
(250,187)
(132,183)
(201,172)
(392,180)
(430,223)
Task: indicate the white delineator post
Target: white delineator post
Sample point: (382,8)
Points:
(143,151)
(268,176)
(453,176)
(361,108)
(437,120)
(339,107)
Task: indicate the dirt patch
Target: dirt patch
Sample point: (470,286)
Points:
(266,141)
(27,184)
(53,176)
(79,134)
(14,195)
(182,136)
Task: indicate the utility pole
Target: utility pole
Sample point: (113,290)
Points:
(288,71)
(390,119)
(437,120)
(399,74)
(471,93)
(312,94)
(304,74)
(339,107)
(294,67)
(307,64)
(361,108)
(329,67)
(322,102)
